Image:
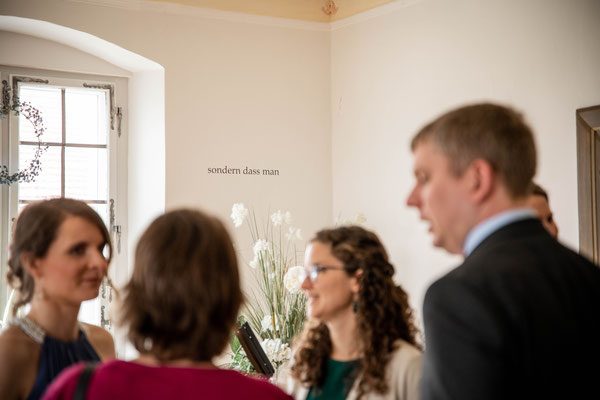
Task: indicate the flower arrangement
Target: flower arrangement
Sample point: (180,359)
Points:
(276,312)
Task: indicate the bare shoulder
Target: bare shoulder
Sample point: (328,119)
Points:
(19,355)
(16,347)
(102,341)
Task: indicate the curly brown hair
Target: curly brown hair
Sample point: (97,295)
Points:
(383,312)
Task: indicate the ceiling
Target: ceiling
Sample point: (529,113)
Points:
(307,10)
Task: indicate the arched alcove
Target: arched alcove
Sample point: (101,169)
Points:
(146,155)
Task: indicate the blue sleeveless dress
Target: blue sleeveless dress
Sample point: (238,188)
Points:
(55,355)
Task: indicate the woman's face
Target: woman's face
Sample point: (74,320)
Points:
(331,295)
(74,266)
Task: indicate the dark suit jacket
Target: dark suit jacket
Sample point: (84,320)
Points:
(520,318)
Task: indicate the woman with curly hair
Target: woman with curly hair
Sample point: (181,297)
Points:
(360,342)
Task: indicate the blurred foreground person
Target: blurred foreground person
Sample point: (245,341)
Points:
(518,319)
(179,307)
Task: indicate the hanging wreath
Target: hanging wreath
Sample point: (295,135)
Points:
(32,115)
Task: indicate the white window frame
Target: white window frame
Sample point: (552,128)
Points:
(117,145)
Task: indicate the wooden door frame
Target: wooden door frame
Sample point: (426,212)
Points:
(588,180)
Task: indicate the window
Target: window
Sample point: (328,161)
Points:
(85,158)
(76,162)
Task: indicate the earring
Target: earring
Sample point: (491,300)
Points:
(39,295)
(355,306)
(38,290)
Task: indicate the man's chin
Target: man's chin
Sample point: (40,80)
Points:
(438,242)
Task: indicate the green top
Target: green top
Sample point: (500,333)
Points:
(339,378)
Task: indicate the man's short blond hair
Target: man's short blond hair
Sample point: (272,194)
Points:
(486,131)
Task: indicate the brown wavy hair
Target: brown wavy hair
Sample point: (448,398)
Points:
(35,230)
(184,294)
(383,313)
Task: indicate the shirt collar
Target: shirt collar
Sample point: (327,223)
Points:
(491,225)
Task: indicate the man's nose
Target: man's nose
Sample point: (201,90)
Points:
(413,198)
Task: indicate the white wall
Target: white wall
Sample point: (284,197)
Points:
(239,91)
(393,73)
(20,50)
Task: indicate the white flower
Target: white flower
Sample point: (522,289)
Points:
(267,324)
(260,246)
(286,353)
(360,218)
(293,279)
(238,213)
(254,263)
(277,351)
(277,218)
(293,234)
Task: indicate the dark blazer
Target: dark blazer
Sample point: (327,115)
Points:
(519,319)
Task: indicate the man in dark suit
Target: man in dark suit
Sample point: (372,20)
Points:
(520,318)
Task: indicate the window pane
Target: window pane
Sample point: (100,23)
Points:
(90,312)
(47,184)
(48,101)
(86,173)
(102,210)
(86,116)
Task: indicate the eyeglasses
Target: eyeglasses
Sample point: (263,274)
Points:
(312,271)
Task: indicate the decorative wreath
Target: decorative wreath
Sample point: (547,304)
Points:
(32,115)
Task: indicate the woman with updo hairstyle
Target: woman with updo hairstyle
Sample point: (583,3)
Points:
(57,261)
(179,308)
(360,341)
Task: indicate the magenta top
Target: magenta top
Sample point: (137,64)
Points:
(117,379)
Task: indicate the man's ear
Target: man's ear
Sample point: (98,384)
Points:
(31,264)
(482,179)
(356,281)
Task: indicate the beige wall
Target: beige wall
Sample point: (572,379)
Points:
(27,51)
(333,106)
(393,73)
(239,91)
